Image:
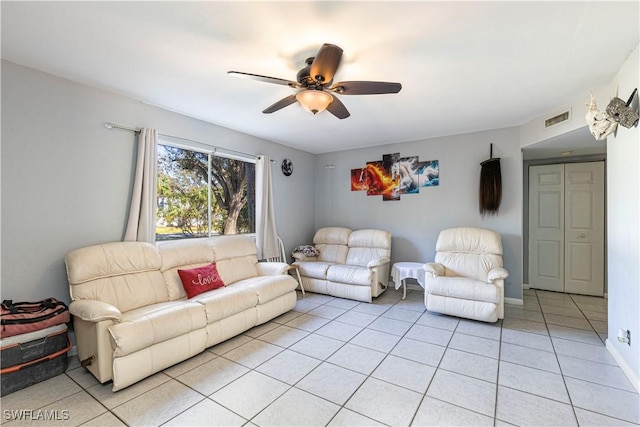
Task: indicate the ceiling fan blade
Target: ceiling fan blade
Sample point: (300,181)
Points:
(266,79)
(326,63)
(338,109)
(284,102)
(365,88)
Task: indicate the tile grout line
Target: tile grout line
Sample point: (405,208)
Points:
(434,374)
(94,398)
(373,370)
(322,361)
(564,381)
(495,406)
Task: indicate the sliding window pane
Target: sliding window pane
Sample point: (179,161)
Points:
(182,194)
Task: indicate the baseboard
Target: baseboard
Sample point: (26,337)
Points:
(525,286)
(513,301)
(623,365)
(73,351)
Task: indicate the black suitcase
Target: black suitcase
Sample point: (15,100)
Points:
(33,357)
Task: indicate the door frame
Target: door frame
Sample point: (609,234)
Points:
(525,207)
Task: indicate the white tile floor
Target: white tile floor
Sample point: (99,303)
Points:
(341,363)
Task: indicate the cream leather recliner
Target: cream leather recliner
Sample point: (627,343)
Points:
(467,279)
(351,264)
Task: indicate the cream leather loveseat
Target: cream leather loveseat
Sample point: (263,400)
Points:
(131,314)
(350,264)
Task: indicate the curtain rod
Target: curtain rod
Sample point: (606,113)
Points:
(110,125)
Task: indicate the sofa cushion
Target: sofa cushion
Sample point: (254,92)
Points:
(476,266)
(331,243)
(145,326)
(468,251)
(202,279)
(353,275)
(123,274)
(315,270)
(469,239)
(335,254)
(463,288)
(227,301)
(370,238)
(332,236)
(235,257)
(367,245)
(111,259)
(182,254)
(268,288)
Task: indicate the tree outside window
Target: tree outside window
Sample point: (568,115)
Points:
(203,194)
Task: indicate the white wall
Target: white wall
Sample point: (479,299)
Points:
(416,219)
(66,179)
(623,228)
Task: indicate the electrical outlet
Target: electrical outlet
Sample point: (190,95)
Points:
(624,336)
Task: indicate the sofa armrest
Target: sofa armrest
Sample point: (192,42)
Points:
(302,257)
(272,268)
(497,274)
(434,268)
(94,311)
(378,262)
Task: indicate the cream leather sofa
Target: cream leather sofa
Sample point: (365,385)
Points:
(466,278)
(131,314)
(350,264)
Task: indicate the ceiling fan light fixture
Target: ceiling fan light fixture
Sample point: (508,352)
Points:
(314,101)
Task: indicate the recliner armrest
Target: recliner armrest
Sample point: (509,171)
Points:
(94,311)
(434,268)
(497,274)
(378,262)
(272,268)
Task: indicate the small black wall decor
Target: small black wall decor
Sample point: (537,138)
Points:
(287,167)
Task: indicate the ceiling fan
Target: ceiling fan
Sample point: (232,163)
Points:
(315,80)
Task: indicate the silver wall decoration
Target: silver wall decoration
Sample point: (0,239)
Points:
(622,112)
(603,123)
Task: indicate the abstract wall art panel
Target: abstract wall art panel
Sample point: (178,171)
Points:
(394,176)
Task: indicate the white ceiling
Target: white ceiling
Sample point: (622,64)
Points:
(464,66)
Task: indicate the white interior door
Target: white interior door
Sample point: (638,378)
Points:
(584,228)
(546,227)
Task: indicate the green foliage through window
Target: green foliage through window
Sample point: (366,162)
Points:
(201,194)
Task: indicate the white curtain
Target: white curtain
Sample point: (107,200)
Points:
(141,226)
(266,233)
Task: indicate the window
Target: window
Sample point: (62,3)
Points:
(203,193)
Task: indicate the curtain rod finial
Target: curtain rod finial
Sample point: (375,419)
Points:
(108,125)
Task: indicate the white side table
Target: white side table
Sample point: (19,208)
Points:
(404,270)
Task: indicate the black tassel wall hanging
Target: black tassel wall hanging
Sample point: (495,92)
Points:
(490,185)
